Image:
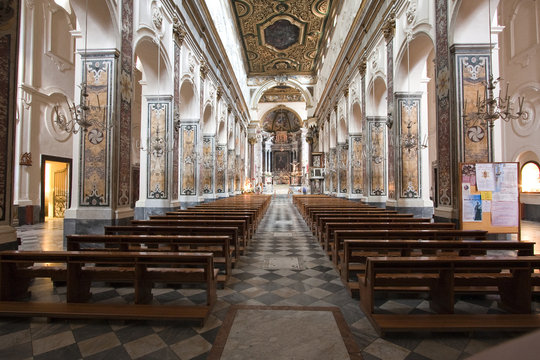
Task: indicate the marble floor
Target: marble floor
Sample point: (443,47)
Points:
(284,266)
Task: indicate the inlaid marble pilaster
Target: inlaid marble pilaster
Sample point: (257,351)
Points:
(471,69)
(442,80)
(188,141)
(334,168)
(408,120)
(357,165)
(99,72)
(207,170)
(176,112)
(343,167)
(159,147)
(389,36)
(363,66)
(231,165)
(376,159)
(221,166)
(126,86)
(239,165)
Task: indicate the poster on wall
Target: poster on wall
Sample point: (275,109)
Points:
(489,196)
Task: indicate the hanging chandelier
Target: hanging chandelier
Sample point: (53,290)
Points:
(79,117)
(491,107)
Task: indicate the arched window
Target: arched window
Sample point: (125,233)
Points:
(530,177)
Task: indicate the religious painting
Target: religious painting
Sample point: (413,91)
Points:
(281,137)
(317,160)
(281,160)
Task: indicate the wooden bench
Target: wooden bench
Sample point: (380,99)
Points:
(81,268)
(321,218)
(331,227)
(355,252)
(241,225)
(231,232)
(219,246)
(442,278)
(202,216)
(312,218)
(401,234)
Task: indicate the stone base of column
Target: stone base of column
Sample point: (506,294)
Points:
(445,214)
(28,214)
(418,207)
(8,238)
(359,197)
(143,213)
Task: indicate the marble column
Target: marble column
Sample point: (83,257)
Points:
(389,31)
(362,68)
(252,141)
(96,188)
(8,81)
(446,198)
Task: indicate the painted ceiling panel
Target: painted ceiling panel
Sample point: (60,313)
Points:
(281,36)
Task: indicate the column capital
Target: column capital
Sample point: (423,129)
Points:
(179,31)
(389,27)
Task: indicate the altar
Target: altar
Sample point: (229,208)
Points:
(282,178)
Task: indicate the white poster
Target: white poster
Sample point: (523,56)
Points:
(485,177)
(504,213)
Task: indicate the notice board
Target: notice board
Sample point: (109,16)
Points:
(489,197)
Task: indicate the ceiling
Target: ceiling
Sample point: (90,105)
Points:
(281,36)
(281,94)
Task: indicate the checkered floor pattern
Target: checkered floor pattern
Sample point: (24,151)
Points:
(283,266)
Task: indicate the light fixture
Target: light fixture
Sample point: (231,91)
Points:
(79,118)
(492,107)
(409,141)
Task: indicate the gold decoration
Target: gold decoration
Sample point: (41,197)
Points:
(26,159)
(303,24)
(389,28)
(179,31)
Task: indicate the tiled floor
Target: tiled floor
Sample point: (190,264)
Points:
(284,266)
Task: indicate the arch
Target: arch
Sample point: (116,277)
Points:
(282,107)
(102,23)
(222,133)
(411,63)
(530,177)
(156,75)
(469,23)
(189,105)
(209,123)
(272,83)
(376,94)
(342,131)
(355,126)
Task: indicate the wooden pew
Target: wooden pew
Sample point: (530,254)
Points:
(320,218)
(360,211)
(442,278)
(81,268)
(329,228)
(219,246)
(405,234)
(241,225)
(202,216)
(231,232)
(355,252)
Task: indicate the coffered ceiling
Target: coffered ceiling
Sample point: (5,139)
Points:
(281,36)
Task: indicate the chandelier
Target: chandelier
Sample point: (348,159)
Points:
(492,107)
(409,141)
(79,117)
